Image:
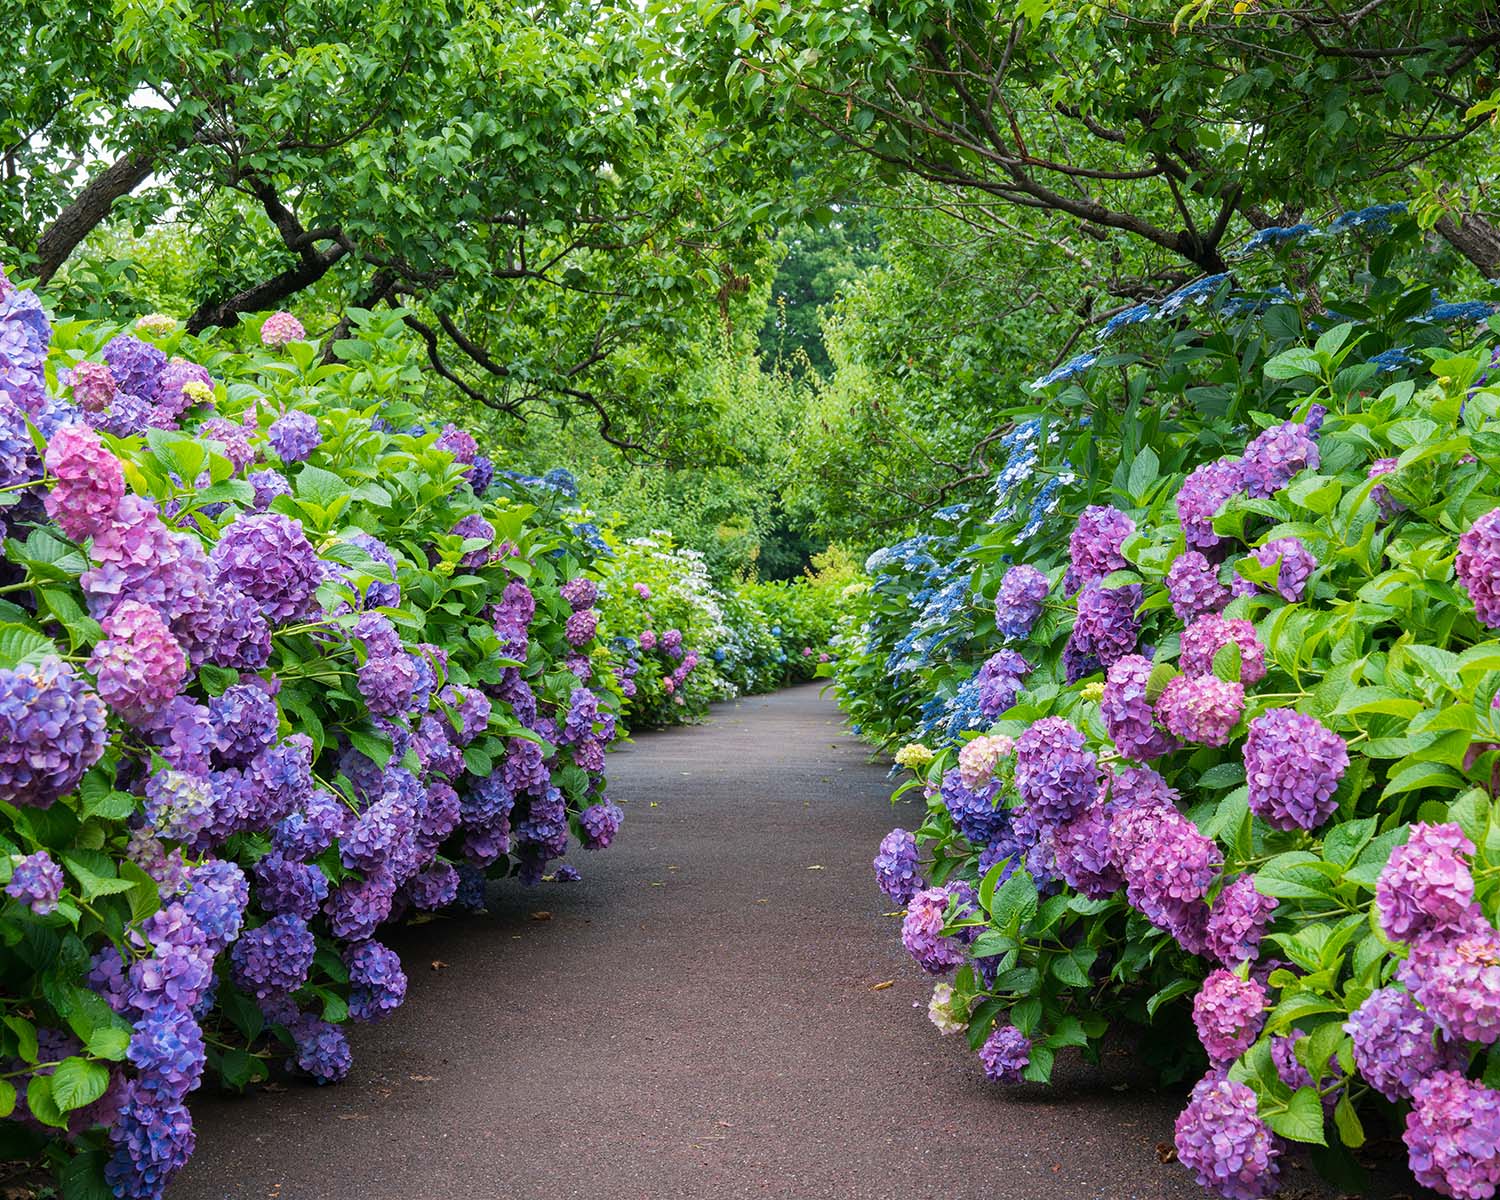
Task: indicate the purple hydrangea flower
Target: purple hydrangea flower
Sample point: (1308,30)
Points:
(269,559)
(897,870)
(999,681)
(387,684)
(1083,854)
(245,720)
(174,393)
(1129,717)
(322,1049)
(268,484)
(310,830)
(1193,584)
(1453,1136)
(1168,864)
(290,886)
(1094,545)
(294,435)
(384,591)
(152,1143)
(1396,1044)
(580,593)
(93,385)
(475,528)
(274,959)
(1228,1013)
(922,932)
(1238,921)
(37,882)
(1296,564)
(1478,567)
(168,1054)
(1380,494)
(215,900)
(1019,602)
(135,365)
(51,731)
(459,443)
(1202,497)
(599,824)
(976,813)
(1106,628)
(524,769)
(472,708)
(516,607)
(1457,980)
(581,625)
(434,888)
(1056,774)
(1005,1054)
(1293,765)
(232,437)
(1276,456)
(357,906)
(1209,634)
(1426,887)
(179,806)
(377,982)
(1222,1140)
(1201,708)
(139,667)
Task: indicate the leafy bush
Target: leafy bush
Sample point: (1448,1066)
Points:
(1238,744)
(206,552)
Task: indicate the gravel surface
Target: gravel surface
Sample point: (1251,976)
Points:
(699,1017)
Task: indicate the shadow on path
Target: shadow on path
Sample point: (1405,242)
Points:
(694,1020)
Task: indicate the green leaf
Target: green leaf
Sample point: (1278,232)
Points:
(1346,1121)
(1290,364)
(1143,472)
(7,1098)
(110,1043)
(1180,987)
(320,487)
(1015,902)
(1301,1120)
(39,1100)
(22,644)
(78,1082)
(83,1178)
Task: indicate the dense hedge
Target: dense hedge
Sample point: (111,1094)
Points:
(276,668)
(1218,744)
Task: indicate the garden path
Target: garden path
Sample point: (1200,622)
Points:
(700,1017)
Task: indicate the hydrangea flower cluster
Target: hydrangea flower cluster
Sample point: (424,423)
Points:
(294,436)
(280,329)
(1228,1013)
(1293,765)
(1018,604)
(1005,1054)
(1293,563)
(897,869)
(1478,567)
(1221,1138)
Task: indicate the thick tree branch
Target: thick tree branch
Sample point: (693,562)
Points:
(89,209)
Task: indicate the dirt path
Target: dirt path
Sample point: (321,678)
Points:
(696,1019)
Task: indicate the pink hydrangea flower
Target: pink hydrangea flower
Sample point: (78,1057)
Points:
(280,328)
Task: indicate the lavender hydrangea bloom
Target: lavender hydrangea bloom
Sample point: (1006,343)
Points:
(434,888)
(1380,494)
(179,806)
(135,365)
(599,824)
(179,386)
(1228,1013)
(274,958)
(387,684)
(1425,886)
(139,667)
(152,1143)
(167,1052)
(1238,921)
(357,906)
(378,984)
(1129,717)
(268,484)
(51,731)
(1457,980)
(580,627)
(289,886)
(524,769)
(1005,1054)
(310,830)
(1202,497)
(215,900)
(1056,774)
(37,882)
(245,719)
(1019,602)
(1168,864)
(322,1048)
(1201,708)
(1276,456)
(1396,1044)
(472,709)
(1209,634)
(1222,1140)
(897,870)
(233,439)
(1478,567)
(1084,859)
(1453,1136)
(475,528)
(922,932)
(269,559)
(1294,563)
(580,593)
(93,385)
(1293,765)
(1106,628)
(294,435)
(975,812)
(1094,544)
(459,443)
(1193,584)
(999,680)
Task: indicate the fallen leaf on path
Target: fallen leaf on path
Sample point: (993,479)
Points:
(542,915)
(1165,1152)
(353,1117)
(438,964)
(815,867)
(880,987)
(423,1078)
(763,901)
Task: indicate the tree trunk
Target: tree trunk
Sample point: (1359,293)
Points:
(90,207)
(266,294)
(1476,239)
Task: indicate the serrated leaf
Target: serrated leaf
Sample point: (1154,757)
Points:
(77,1082)
(22,644)
(1301,1120)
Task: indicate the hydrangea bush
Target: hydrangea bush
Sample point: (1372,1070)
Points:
(278,666)
(1244,780)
